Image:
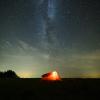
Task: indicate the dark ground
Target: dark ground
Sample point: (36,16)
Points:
(35,89)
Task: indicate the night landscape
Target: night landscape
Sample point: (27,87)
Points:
(49,49)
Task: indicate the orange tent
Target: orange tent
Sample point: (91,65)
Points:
(51,76)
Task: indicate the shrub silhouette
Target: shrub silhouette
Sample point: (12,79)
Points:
(8,74)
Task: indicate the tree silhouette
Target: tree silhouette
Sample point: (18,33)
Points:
(8,74)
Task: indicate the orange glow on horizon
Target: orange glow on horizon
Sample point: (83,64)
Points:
(25,74)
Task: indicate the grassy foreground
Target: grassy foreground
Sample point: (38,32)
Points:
(35,89)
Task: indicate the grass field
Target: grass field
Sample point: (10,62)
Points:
(35,89)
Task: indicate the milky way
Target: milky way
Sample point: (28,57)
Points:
(47,18)
(51,9)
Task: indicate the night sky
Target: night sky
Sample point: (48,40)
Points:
(38,36)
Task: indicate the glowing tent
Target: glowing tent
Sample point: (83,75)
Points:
(51,76)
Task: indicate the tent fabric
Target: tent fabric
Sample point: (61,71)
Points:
(51,76)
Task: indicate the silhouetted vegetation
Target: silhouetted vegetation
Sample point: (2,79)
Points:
(8,74)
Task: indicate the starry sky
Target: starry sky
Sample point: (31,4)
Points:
(38,36)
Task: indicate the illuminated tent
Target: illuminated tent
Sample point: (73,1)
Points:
(51,76)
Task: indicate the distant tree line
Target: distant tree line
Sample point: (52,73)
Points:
(8,74)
